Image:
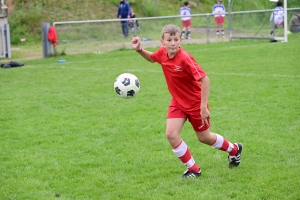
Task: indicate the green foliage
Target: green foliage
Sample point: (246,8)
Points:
(149,8)
(26,19)
(18,30)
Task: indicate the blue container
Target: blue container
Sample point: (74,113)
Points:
(61,61)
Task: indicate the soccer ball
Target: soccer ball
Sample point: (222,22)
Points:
(127,85)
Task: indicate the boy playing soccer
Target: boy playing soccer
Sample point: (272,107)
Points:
(189,87)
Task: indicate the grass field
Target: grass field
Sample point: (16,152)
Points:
(65,134)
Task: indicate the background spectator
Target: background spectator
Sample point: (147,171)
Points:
(219,13)
(186,19)
(131,22)
(124,13)
(295,23)
(277,17)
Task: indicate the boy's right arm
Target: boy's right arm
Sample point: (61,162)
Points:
(136,45)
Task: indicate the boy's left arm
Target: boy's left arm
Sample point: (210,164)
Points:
(204,99)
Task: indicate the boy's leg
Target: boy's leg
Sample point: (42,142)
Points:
(188,34)
(219,142)
(183,33)
(179,147)
(130,24)
(123,24)
(218,30)
(222,30)
(126,29)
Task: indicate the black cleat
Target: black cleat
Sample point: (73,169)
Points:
(191,174)
(235,160)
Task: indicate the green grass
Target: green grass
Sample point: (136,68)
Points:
(66,134)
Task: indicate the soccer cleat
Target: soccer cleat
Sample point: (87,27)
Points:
(235,160)
(191,174)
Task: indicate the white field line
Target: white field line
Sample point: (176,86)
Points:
(297,76)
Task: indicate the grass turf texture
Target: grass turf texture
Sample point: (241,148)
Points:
(66,134)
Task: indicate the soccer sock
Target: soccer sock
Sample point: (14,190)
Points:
(184,154)
(218,33)
(182,33)
(223,32)
(188,34)
(224,145)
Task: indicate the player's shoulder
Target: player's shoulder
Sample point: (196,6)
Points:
(161,49)
(184,54)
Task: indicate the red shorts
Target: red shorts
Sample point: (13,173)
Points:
(279,24)
(194,117)
(219,20)
(187,23)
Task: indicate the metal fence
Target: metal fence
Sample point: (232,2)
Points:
(98,36)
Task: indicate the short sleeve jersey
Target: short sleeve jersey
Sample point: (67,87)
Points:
(218,10)
(182,74)
(185,13)
(277,15)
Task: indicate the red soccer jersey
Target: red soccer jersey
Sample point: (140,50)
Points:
(183,76)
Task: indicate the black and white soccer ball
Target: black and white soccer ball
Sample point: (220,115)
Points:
(127,85)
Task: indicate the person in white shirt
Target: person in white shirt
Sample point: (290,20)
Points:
(277,17)
(219,13)
(186,19)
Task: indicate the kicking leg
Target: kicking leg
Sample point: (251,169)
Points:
(219,142)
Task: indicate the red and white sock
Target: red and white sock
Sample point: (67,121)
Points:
(224,145)
(184,154)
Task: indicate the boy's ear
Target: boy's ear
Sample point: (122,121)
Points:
(162,41)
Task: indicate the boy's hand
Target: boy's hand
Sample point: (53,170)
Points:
(136,43)
(205,115)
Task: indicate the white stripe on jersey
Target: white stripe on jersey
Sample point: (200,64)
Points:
(185,13)
(218,10)
(278,15)
(192,64)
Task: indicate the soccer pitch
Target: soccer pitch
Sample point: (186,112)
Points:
(66,134)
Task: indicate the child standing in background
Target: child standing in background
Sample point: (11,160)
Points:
(186,19)
(219,12)
(131,22)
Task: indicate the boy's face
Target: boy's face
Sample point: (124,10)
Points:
(171,42)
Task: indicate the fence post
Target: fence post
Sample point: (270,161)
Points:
(45,42)
(207,27)
(230,20)
(7,34)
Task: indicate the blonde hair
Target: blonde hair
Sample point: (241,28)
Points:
(171,29)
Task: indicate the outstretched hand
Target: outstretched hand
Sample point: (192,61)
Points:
(136,43)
